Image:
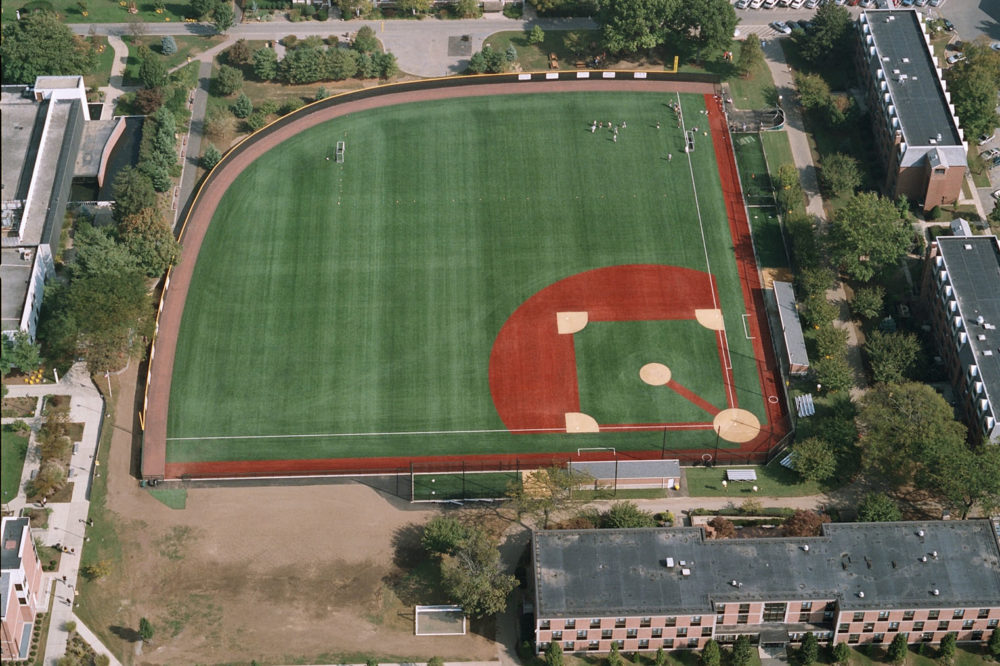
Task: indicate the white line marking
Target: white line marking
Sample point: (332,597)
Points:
(746,331)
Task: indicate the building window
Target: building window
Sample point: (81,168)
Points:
(807,605)
(744,608)
(719,619)
(803,617)
(646,621)
(828,615)
(670,622)
(984,613)
(557,635)
(967,624)
(706,631)
(621,643)
(606,634)
(682,632)
(568,645)
(928,636)
(992,624)
(696,620)
(742,619)
(632,633)
(595,623)
(883,615)
(854,638)
(543,625)
(581,634)
(977,635)
(908,615)
(619,623)
(933,615)
(720,608)
(668,643)
(943,625)
(570,624)
(543,646)
(959,613)
(878,638)
(918,626)
(657,632)
(644,644)
(859,617)
(692,642)
(843,627)
(774,612)
(869,627)
(594,645)
(894,626)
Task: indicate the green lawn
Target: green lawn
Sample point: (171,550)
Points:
(767,238)
(773,480)
(777,150)
(100,76)
(535,57)
(757,91)
(105,11)
(754,174)
(350,310)
(459,486)
(609,355)
(187,46)
(13,448)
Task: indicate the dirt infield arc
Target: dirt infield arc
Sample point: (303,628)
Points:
(207,199)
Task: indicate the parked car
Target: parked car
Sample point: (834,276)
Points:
(956,57)
(990,154)
(756,4)
(996,194)
(742,4)
(937,3)
(920,3)
(770,4)
(995,46)
(796,4)
(781,27)
(812,4)
(948,25)
(984,138)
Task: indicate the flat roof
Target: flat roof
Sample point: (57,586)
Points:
(919,98)
(96,134)
(10,547)
(973,265)
(15,275)
(629,469)
(791,327)
(598,573)
(17,120)
(52,82)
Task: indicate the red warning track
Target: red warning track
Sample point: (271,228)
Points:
(533,367)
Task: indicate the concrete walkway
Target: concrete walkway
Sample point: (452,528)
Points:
(116,86)
(798,139)
(67,520)
(190,153)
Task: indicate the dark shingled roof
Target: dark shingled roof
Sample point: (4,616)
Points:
(12,530)
(595,573)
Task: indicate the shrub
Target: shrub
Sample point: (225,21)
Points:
(228,81)
(255,121)
(323,14)
(242,107)
(168,45)
(291,105)
(210,157)
(867,302)
(513,11)
(537,35)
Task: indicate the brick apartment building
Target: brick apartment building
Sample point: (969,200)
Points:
(961,289)
(917,136)
(857,583)
(20,588)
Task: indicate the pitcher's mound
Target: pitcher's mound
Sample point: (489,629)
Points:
(736,425)
(580,422)
(654,374)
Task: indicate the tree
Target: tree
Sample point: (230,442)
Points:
(341,63)
(828,40)
(239,54)
(973,84)
(614,657)
(709,24)
(946,651)
(303,64)
(544,492)
(42,45)
(899,424)
(168,45)
(511,53)
(878,507)
(148,100)
(809,652)
(814,459)
(352,7)
(840,173)
(625,515)
(153,72)
(537,35)
(962,478)
(751,56)
(993,645)
(841,653)
(790,194)
(443,535)
(896,653)
(210,157)
(575,43)
(892,355)
(743,651)
(723,527)
(868,235)
(867,301)
(834,373)
(96,570)
(710,654)
(50,479)
(554,654)
(365,40)
(133,191)
(265,64)
(661,656)
(20,352)
(804,523)
(435,661)
(630,26)
(223,17)
(386,65)
(145,630)
(474,578)
(487,61)
(228,80)
(150,240)
(414,6)
(201,8)
(242,107)
(468,9)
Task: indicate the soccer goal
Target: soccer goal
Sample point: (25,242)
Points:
(439,621)
(340,152)
(690,141)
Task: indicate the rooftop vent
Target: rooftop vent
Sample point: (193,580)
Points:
(685,572)
(906,60)
(920,533)
(934,554)
(939,136)
(980,319)
(923,559)
(669,563)
(734,583)
(936,592)
(806,548)
(861,594)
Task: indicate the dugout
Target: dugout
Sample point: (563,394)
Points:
(626,474)
(791,329)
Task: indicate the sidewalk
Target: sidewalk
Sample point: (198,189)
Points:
(67,520)
(116,85)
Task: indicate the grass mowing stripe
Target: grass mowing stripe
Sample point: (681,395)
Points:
(365,297)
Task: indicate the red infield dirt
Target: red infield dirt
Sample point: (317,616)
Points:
(154,463)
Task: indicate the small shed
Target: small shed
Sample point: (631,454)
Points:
(791,329)
(630,473)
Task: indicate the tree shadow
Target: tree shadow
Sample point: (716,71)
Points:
(408,552)
(126,633)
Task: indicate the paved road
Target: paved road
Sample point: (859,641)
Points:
(192,150)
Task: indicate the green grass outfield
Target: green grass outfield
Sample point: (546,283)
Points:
(349,310)
(462,486)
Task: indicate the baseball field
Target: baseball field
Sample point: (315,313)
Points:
(480,276)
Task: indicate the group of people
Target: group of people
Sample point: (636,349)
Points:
(614,128)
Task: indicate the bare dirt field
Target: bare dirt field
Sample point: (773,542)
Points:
(277,574)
